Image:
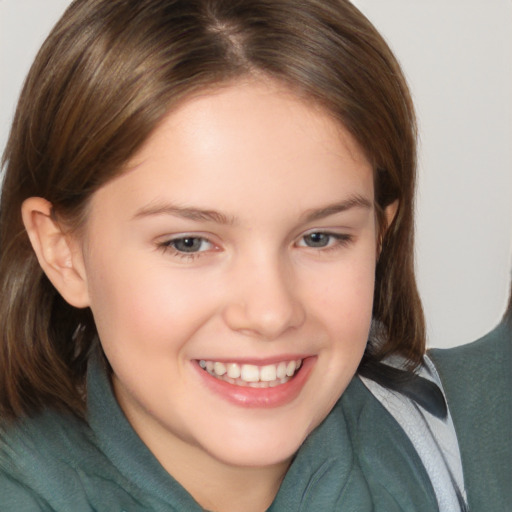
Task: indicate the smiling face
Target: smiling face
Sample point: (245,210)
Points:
(230,272)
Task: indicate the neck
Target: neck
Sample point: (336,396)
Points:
(215,485)
(231,489)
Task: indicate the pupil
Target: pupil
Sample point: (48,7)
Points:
(188,244)
(317,239)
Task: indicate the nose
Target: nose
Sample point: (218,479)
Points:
(263,300)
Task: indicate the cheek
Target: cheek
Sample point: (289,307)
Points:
(138,304)
(343,297)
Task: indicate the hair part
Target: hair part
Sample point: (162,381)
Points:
(105,78)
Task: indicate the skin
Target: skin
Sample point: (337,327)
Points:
(260,287)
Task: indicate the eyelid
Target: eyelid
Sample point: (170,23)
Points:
(340,238)
(168,238)
(166,244)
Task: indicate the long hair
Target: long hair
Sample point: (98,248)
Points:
(108,73)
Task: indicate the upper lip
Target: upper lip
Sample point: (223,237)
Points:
(256,361)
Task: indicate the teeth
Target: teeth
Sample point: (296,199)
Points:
(290,369)
(219,368)
(281,370)
(270,375)
(250,373)
(233,370)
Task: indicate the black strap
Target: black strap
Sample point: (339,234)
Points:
(422,391)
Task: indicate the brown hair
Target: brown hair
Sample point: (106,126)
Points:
(105,77)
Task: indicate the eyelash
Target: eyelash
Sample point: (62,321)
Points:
(169,245)
(339,240)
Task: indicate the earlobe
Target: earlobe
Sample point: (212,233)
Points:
(57,251)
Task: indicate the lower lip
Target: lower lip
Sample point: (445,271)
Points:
(245,396)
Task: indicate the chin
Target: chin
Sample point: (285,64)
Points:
(257,449)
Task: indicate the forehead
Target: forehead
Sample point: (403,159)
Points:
(252,139)
(251,98)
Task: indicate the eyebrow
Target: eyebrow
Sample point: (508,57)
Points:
(334,208)
(198,214)
(190,213)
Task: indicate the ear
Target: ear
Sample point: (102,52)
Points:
(58,252)
(390,212)
(389,215)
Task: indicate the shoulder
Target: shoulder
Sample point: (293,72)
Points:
(478,376)
(52,462)
(358,458)
(477,379)
(35,441)
(385,453)
(40,453)
(494,350)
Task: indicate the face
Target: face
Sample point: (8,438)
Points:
(230,271)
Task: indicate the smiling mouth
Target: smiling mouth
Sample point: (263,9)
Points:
(250,375)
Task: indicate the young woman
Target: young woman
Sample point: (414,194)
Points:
(207,205)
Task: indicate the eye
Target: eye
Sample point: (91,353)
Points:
(317,239)
(188,244)
(321,240)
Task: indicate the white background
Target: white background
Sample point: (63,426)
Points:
(457,55)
